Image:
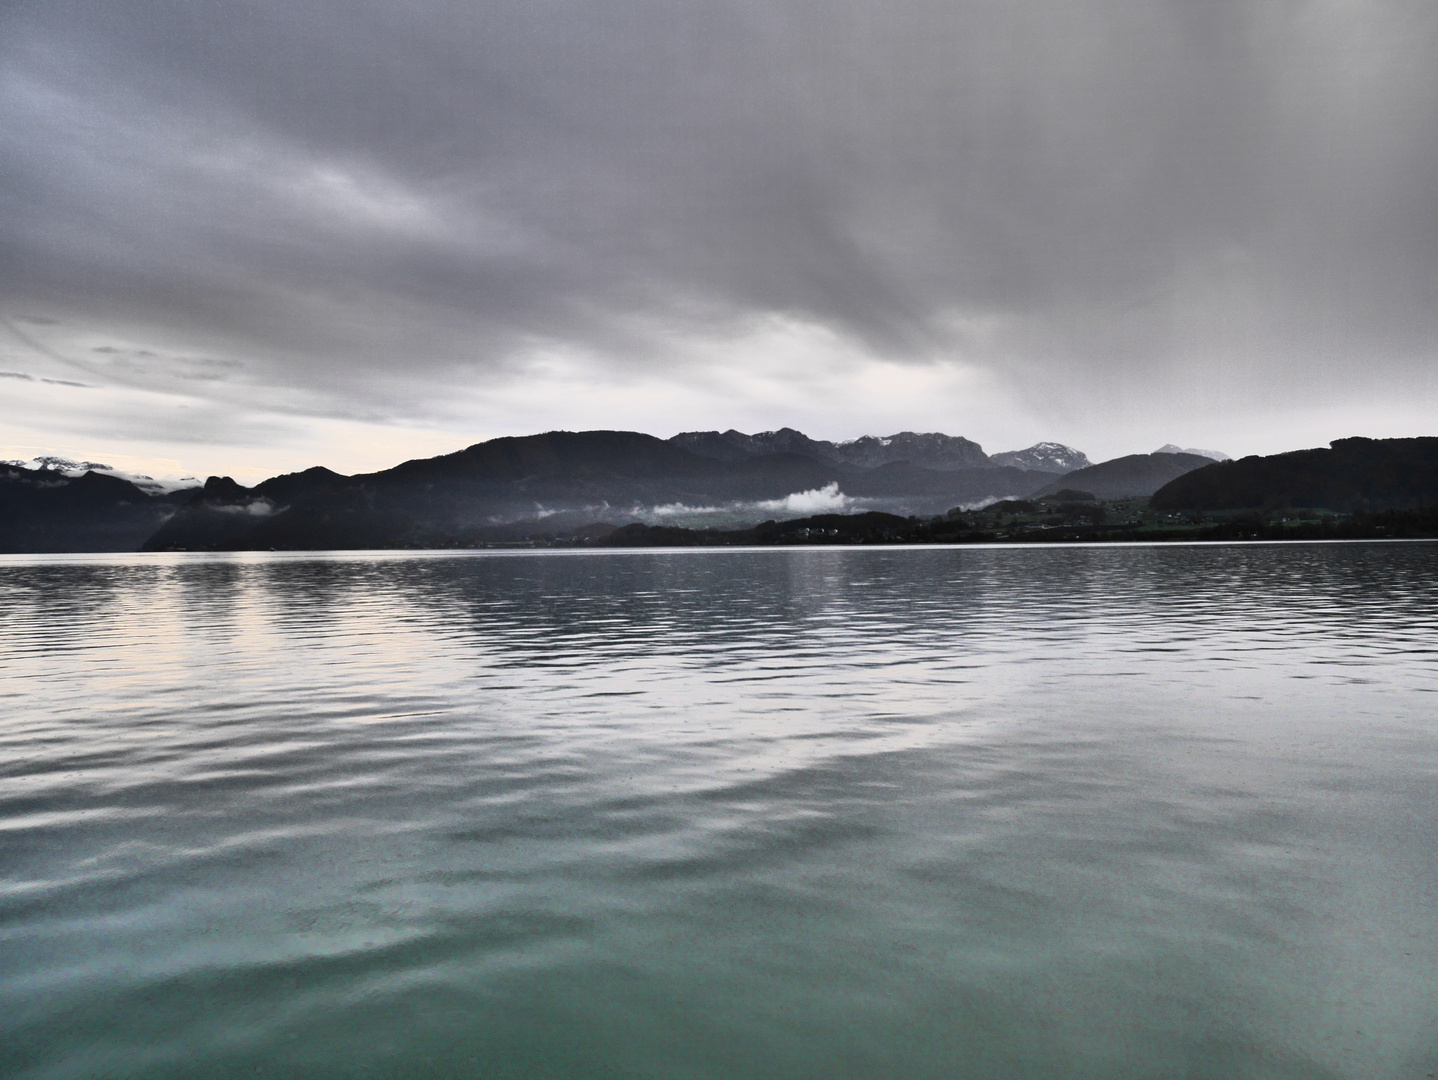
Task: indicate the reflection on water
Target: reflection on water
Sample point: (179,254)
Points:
(1015,812)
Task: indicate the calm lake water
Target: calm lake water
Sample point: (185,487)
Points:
(1021,812)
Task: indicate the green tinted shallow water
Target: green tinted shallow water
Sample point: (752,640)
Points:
(1020,812)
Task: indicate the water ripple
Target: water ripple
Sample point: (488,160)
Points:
(1080,811)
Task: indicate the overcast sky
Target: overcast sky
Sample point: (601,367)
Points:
(254,236)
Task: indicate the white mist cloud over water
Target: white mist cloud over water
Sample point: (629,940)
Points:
(255,508)
(669,510)
(825,500)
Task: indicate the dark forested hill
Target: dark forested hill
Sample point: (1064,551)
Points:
(223,512)
(1351,474)
(1131,476)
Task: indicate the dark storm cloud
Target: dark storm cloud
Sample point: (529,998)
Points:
(1116,191)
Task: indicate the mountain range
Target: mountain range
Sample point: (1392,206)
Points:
(507,487)
(566,482)
(931,450)
(50,467)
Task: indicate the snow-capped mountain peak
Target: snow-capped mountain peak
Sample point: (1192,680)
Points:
(1173,448)
(1046,457)
(73,470)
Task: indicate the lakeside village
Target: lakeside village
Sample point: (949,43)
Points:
(1064,517)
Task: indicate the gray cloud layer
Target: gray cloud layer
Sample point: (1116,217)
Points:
(1161,204)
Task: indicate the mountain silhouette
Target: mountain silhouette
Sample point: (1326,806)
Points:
(929,450)
(47,511)
(591,482)
(1350,474)
(481,492)
(223,512)
(1127,477)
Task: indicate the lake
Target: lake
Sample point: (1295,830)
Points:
(988,812)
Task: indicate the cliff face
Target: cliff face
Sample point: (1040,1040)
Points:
(1351,474)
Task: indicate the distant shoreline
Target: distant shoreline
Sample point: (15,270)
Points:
(515,549)
(1069,526)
